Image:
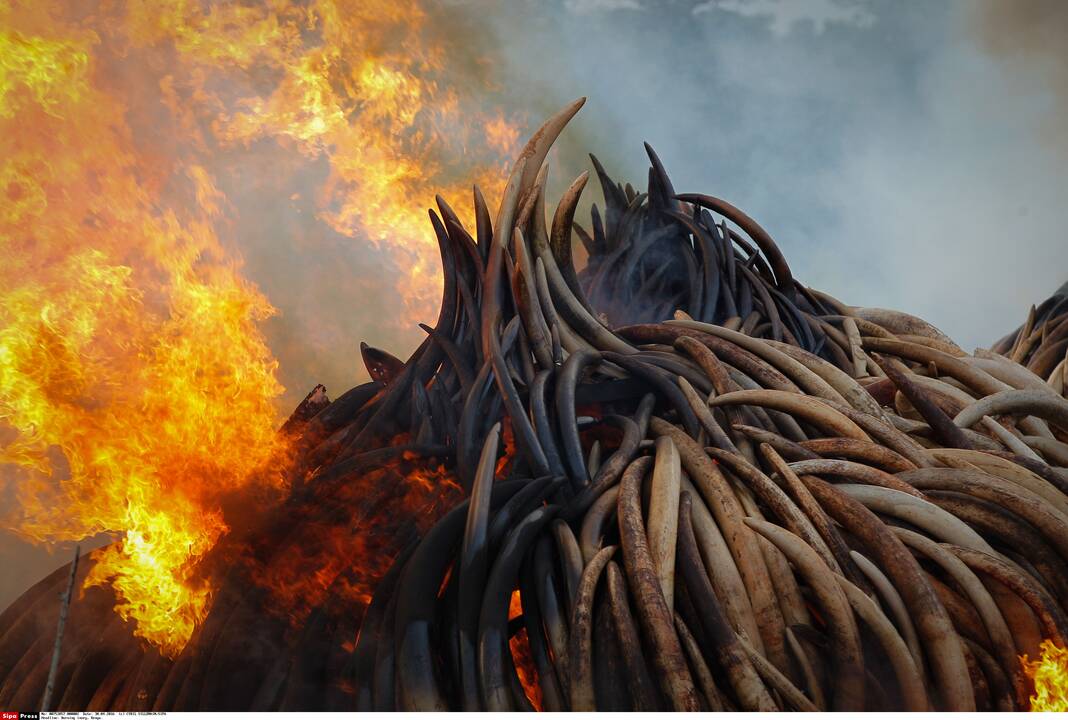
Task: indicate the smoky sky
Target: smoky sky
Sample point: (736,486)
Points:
(903,154)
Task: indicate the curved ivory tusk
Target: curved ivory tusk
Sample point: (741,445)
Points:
(417,688)
(932,622)
(537,147)
(592,531)
(777,501)
(866,452)
(1010,441)
(742,676)
(1037,403)
(864,474)
(956,368)
(663,516)
(823,416)
(900,323)
(777,681)
(700,668)
(1010,470)
(845,639)
(653,612)
(580,651)
(918,512)
(805,379)
(474,564)
(525,290)
(1055,450)
(850,390)
(571,562)
(819,519)
(611,469)
(783,278)
(1054,622)
(565,409)
(704,416)
(996,627)
(1005,370)
(1047,519)
(932,414)
(565,301)
(721,569)
(908,677)
(888,434)
(642,687)
(892,598)
(728,512)
(493,619)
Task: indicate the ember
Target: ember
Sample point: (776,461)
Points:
(519,645)
(676,479)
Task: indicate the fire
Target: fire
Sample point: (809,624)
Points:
(370,94)
(1050,676)
(341,553)
(519,644)
(504,462)
(137,389)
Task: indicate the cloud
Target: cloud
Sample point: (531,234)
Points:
(783,15)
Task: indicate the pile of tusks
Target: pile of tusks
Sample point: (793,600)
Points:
(1041,343)
(691,483)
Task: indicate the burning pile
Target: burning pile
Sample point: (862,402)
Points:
(689,482)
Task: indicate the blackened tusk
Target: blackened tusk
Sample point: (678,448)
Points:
(493,622)
(565,408)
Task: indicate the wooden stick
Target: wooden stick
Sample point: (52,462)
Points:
(64,608)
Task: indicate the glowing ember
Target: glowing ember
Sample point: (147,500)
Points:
(1050,675)
(136,388)
(342,553)
(519,644)
(505,460)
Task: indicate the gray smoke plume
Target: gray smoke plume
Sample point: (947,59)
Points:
(1030,37)
(899,152)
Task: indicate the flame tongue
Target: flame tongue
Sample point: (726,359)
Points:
(1050,676)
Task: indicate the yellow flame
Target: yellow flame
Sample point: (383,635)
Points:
(1050,676)
(136,387)
(371,95)
(52,71)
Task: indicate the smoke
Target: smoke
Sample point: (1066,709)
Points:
(1030,37)
(897,157)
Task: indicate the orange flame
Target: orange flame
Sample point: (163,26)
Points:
(325,559)
(519,644)
(370,93)
(1050,676)
(137,390)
